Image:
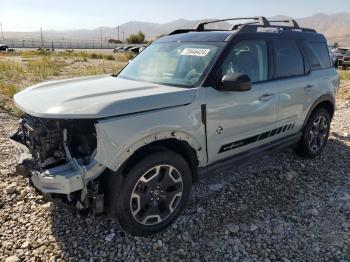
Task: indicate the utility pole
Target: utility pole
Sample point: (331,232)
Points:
(101,38)
(118,32)
(2,33)
(42,37)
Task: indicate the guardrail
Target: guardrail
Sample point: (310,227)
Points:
(57,44)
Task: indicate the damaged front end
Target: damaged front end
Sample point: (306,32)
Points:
(58,156)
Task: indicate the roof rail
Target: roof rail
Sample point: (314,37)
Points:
(291,22)
(261,20)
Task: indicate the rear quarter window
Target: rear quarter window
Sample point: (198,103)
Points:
(317,55)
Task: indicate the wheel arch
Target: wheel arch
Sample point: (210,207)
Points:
(114,179)
(325,101)
(181,147)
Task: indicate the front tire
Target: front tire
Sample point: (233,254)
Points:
(153,193)
(315,134)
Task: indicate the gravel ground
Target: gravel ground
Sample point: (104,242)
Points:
(279,208)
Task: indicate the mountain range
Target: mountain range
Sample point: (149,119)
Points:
(335,27)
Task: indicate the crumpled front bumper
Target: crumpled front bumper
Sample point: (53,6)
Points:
(62,179)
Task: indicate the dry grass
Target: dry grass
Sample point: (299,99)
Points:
(77,55)
(344,90)
(344,74)
(19,70)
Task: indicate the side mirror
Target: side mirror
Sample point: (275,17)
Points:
(235,82)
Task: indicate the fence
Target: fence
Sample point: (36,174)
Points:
(59,44)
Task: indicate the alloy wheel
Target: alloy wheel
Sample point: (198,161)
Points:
(318,133)
(156,194)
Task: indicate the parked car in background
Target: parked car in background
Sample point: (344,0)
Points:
(346,60)
(3,48)
(119,49)
(135,49)
(333,58)
(142,48)
(339,52)
(127,48)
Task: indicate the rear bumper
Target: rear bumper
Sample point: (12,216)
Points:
(62,179)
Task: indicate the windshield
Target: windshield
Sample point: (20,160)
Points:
(179,64)
(347,53)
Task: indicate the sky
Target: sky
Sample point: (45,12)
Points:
(30,15)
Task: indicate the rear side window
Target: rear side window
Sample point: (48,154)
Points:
(318,55)
(289,61)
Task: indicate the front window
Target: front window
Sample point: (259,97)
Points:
(248,57)
(178,64)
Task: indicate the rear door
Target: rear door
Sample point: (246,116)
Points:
(322,72)
(293,82)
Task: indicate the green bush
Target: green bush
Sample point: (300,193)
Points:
(96,56)
(138,38)
(109,57)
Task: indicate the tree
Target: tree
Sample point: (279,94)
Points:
(138,38)
(336,45)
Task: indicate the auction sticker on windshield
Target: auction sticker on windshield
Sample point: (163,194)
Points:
(195,51)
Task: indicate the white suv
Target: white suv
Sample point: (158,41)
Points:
(191,103)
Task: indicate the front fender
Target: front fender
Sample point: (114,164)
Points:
(118,138)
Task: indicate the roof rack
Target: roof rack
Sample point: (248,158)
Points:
(291,22)
(259,22)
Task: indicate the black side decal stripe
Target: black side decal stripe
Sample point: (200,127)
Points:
(253,139)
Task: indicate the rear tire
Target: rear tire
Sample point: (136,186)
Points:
(315,134)
(153,193)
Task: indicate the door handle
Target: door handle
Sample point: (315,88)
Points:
(265,97)
(308,87)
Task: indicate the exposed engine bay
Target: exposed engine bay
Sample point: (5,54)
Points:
(60,159)
(45,139)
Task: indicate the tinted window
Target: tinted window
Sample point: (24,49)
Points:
(248,57)
(288,59)
(314,61)
(322,53)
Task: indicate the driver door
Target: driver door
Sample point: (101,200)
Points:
(240,120)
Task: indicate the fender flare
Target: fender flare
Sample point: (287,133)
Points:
(321,99)
(128,150)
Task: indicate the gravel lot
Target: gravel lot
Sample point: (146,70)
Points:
(279,208)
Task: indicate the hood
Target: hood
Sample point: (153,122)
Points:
(98,97)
